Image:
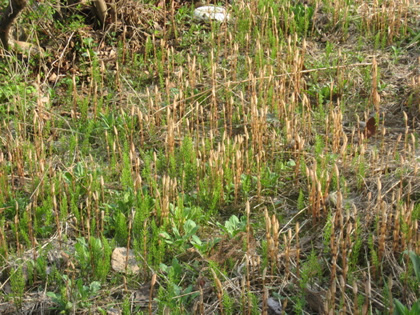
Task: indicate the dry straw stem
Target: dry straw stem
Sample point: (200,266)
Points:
(270,77)
(219,288)
(376,99)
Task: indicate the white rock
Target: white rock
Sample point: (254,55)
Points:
(210,13)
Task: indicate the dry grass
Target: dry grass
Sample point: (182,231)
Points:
(307,131)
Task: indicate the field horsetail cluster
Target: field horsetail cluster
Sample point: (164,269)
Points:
(232,157)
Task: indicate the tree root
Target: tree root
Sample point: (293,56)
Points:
(9,16)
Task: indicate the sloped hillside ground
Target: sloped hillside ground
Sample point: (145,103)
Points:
(160,164)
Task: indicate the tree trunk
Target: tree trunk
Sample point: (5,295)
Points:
(101,10)
(6,20)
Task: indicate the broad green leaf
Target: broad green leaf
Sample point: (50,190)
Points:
(415,259)
(415,309)
(399,308)
(190,227)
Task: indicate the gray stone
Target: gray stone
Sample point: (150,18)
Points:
(274,307)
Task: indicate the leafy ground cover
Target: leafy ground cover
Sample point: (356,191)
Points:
(266,165)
